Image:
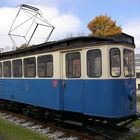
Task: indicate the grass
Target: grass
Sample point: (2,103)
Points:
(11,131)
(137,124)
(138,99)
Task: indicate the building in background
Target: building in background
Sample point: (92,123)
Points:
(137,66)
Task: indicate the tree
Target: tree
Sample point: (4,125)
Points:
(22,46)
(103,26)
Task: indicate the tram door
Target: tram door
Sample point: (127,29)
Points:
(72,83)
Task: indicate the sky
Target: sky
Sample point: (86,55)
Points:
(70,17)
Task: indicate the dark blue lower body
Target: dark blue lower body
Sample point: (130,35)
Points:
(114,98)
(110,98)
(34,92)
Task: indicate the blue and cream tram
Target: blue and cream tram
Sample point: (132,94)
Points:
(90,76)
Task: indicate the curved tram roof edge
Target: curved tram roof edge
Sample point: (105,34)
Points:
(76,42)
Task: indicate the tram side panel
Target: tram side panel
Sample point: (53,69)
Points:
(43,92)
(109,98)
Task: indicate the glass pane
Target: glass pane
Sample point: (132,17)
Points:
(17,68)
(0,69)
(30,67)
(115,62)
(94,63)
(45,66)
(73,65)
(49,69)
(128,62)
(137,75)
(7,69)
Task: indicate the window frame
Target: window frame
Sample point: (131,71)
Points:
(10,74)
(100,63)
(21,68)
(46,68)
(110,58)
(137,74)
(25,69)
(133,63)
(67,70)
(1,66)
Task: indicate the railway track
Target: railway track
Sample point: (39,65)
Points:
(51,130)
(63,131)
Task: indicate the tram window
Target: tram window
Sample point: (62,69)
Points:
(138,75)
(17,68)
(45,66)
(128,62)
(7,69)
(30,67)
(0,69)
(115,62)
(94,63)
(73,65)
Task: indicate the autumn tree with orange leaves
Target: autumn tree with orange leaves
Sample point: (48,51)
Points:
(103,26)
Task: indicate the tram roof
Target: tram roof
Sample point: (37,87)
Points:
(74,42)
